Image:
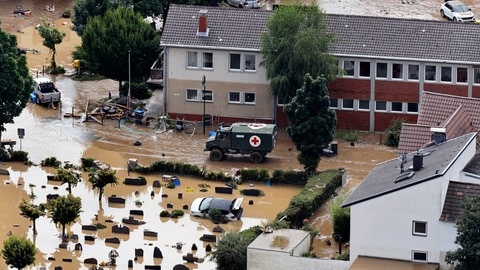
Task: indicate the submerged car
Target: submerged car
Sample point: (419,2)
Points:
(457,11)
(230,209)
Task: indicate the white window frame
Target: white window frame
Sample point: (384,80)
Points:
(376,71)
(382,110)
(196,60)
(362,109)
(419,252)
(391,107)
(451,74)
(203,60)
(239,62)
(234,101)
(330,103)
(425,73)
(354,68)
(199,95)
(250,67)
(360,69)
(417,233)
(206,100)
(348,108)
(249,102)
(455,73)
(191,99)
(408,72)
(478,76)
(242,98)
(411,112)
(402,72)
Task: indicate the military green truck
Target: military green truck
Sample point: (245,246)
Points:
(253,139)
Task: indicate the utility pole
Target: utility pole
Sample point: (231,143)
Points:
(204,84)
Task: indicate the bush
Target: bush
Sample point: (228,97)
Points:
(4,155)
(87,162)
(393,132)
(165,213)
(170,185)
(340,219)
(177,213)
(289,177)
(138,90)
(347,135)
(259,175)
(21,156)
(216,215)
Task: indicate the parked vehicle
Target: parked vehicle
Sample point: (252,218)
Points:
(230,209)
(253,4)
(457,11)
(254,139)
(44,91)
(237,3)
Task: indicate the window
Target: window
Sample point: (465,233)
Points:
(347,104)
(234,97)
(192,59)
(349,67)
(249,98)
(419,256)
(381,106)
(412,107)
(413,71)
(476,75)
(333,103)
(208,95)
(419,228)
(462,75)
(430,73)
(382,70)
(250,63)
(207,60)
(397,107)
(364,69)
(192,94)
(446,74)
(397,71)
(364,105)
(235,61)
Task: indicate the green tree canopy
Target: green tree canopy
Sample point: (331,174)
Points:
(109,42)
(86,9)
(311,122)
(18,252)
(231,252)
(32,212)
(16,84)
(296,43)
(68,176)
(101,178)
(51,37)
(467,256)
(65,210)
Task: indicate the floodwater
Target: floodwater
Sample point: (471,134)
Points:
(48,133)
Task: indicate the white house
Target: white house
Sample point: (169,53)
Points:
(405,209)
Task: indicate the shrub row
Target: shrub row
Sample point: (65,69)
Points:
(317,191)
(163,166)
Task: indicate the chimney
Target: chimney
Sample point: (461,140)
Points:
(417,161)
(439,135)
(202,23)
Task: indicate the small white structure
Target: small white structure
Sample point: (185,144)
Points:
(283,249)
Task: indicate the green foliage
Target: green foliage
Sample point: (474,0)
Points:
(138,90)
(340,219)
(51,37)
(18,251)
(56,70)
(87,162)
(163,166)
(345,256)
(100,226)
(393,132)
(216,215)
(143,180)
(349,136)
(311,121)
(218,176)
(32,212)
(65,210)
(231,252)
(68,176)
(296,43)
(101,178)
(165,213)
(289,177)
(20,156)
(319,188)
(16,84)
(466,257)
(177,213)
(260,175)
(170,185)
(51,162)
(4,156)
(119,40)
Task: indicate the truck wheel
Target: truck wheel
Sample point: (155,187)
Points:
(256,157)
(216,154)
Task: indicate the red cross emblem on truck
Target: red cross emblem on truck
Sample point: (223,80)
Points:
(255,141)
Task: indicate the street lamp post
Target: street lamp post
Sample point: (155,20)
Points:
(204,83)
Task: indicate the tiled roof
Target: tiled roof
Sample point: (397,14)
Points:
(387,177)
(405,38)
(436,108)
(457,192)
(413,137)
(232,28)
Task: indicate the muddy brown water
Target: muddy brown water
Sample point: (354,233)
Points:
(48,133)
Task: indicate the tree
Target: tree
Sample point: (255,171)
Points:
(85,9)
(296,43)
(101,178)
(67,176)
(231,252)
(51,37)
(340,219)
(467,257)
(311,122)
(32,212)
(109,42)
(16,84)
(65,210)
(18,252)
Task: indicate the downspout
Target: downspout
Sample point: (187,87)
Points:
(165,80)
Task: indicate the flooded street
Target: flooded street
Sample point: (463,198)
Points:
(48,133)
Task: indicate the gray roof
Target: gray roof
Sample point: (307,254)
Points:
(372,37)
(229,27)
(384,178)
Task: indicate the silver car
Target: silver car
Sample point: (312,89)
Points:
(231,209)
(456,11)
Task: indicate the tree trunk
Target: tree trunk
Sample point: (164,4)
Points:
(69,188)
(100,193)
(63,231)
(34,226)
(53,63)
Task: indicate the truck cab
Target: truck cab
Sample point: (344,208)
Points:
(45,91)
